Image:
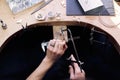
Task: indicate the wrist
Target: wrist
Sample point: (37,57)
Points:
(48,60)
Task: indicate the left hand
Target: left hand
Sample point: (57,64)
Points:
(55,49)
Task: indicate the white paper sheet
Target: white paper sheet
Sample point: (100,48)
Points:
(88,5)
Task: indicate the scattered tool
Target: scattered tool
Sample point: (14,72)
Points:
(41,6)
(4,25)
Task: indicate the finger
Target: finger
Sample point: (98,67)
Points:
(56,47)
(76,66)
(62,45)
(73,58)
(71,71)
(51,44)
(83,72)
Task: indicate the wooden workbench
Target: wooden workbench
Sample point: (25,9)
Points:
(11,20)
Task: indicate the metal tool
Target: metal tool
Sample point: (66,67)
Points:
(41,6)
(76,53)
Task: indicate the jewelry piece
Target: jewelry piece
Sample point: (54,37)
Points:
(58,15)
(40,17)
(51,15)
(52,45)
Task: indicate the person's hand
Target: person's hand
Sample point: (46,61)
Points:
(75,72)
(55,49)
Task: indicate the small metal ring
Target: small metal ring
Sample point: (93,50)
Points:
(52,45)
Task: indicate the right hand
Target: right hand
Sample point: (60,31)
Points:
(75,72)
